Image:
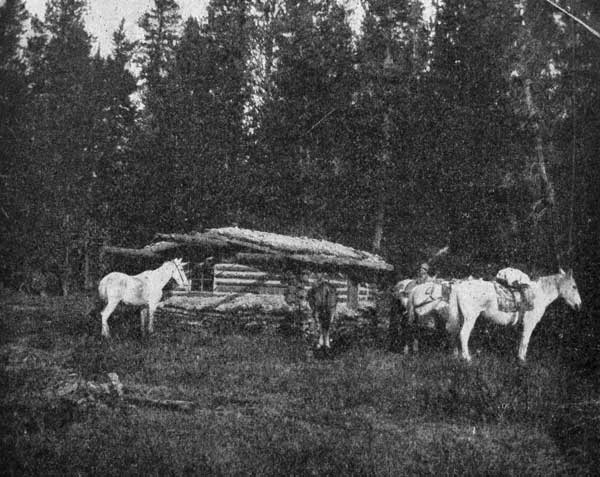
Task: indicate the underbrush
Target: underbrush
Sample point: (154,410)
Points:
(264,404)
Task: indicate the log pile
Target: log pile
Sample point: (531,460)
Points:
(349,324)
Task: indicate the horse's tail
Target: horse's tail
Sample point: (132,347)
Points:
(102,292)
(100,299)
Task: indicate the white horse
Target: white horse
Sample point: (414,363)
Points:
(143,290)
(426,301)
(400,294)
(472,298)
(427,309)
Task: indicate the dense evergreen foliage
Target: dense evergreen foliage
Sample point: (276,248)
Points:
(475,128)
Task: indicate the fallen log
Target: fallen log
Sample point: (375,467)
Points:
(129,252)
(171,404)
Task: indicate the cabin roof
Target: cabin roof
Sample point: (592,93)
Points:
(254,245)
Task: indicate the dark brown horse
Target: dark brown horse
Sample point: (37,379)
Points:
(322,299)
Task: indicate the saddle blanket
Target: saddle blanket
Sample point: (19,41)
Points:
(512,300)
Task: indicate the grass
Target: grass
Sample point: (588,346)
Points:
(265,406)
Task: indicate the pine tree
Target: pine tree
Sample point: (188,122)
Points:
(13,90)
(393,57)
(154,142)
(62,160)
(479,136)
(113,128)
(160,26)
(203,120)
(227,52)
(298,134)
(193,113)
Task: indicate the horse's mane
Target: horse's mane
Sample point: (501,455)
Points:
(549,282)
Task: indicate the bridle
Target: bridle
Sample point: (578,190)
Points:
(181,275)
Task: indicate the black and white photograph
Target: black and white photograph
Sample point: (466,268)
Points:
(299,238)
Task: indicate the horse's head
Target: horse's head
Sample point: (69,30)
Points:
(178,273)
(567,289)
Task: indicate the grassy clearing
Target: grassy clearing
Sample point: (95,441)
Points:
(265,406)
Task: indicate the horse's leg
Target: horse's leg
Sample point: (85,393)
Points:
(106,312)
(529,323)
(465,334)
(151,310)
(329,316)
(326,338)
(394,326)
(414,330)
(409,330)
(452,330)
(409,338)
(317,320)
(143,317)
(321,338)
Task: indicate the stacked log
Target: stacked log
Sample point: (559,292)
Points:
(348,325)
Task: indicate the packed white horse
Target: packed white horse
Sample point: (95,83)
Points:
(426,309)
(471,298)
(427,302)
(421,305)
(143,290)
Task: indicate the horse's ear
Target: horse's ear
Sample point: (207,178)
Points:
(561,271)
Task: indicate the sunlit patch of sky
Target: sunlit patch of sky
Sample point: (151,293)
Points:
(103,16)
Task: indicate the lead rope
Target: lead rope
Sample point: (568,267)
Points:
(181,275)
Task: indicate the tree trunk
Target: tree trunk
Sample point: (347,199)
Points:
(388,63)
(379,220)
(549,192)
